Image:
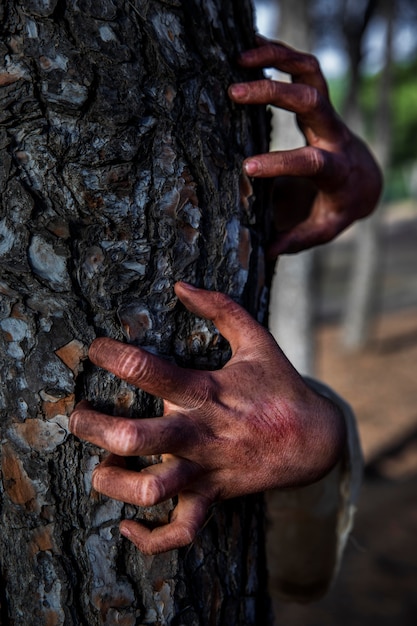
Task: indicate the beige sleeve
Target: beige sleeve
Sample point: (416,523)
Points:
(308,527)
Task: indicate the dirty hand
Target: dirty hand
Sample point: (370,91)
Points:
(250,426)
(346,180)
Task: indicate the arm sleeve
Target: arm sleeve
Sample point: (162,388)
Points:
(308,527)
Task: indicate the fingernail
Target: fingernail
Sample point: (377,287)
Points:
(238,90)
(247,55)
(251,167)
(125,532)
(72,422)
(188,286)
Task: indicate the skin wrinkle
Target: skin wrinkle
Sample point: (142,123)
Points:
(136,370)
(196,399)
(130,441)
(318,160)
(151,489)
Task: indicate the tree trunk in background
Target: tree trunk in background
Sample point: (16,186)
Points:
(355,22)
(292,295)
(121,159)
(366,271)
(292,298)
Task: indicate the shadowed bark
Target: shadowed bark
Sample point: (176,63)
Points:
(120,174)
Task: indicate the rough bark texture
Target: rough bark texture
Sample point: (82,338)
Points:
(120,174)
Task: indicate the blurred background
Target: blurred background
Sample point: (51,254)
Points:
(347,313)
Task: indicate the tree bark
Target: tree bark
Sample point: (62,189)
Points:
(121,174)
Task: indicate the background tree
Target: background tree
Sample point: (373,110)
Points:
(366,266)
(291,316)
(120,174)
(372,36)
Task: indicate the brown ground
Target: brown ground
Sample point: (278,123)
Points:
(377,585)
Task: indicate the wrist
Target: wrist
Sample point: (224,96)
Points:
(316,440)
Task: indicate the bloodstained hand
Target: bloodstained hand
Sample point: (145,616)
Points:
(250,426)
(346,180)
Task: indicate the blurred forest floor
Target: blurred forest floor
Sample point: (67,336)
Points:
(377,585)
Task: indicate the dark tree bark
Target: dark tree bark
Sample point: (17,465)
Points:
(120,174)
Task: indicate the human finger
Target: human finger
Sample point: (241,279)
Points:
(151,485)
(313,110)
(132,437)
(157,376)
(234,323)
(308,162)
(312,232)
(302,66)
(187,519)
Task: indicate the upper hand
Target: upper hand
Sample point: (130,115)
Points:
(250,426)
(347,181)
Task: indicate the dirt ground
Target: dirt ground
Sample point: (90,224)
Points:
(377,585)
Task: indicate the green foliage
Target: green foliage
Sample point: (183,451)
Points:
(337,88)
(405,114)
(403,108)
(404,119)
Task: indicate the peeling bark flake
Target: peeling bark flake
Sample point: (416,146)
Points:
(72,355)
(17,483)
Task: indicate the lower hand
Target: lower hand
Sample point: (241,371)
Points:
(250,426)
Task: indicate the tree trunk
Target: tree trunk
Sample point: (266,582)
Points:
(121,159)
(355,20)
(366,272)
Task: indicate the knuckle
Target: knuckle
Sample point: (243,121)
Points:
(312,64)
(150,489)
(187,533)
(73,421)
(272,50)
(221,300)
(128,438)
(313,101)
(270,89)
(196,397)
(133,366)
(222,306)
(225,305)
(99,478)
(317,162)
